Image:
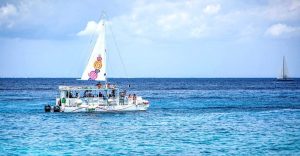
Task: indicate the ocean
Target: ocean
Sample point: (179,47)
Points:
(186,117)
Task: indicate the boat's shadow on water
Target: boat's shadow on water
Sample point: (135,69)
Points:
(94,114)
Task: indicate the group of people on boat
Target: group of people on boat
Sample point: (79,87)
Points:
(108,85)
(133,97)
(109,91)
(70,95)
(89,93)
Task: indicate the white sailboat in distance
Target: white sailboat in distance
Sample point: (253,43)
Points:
(98,98)
(284,72)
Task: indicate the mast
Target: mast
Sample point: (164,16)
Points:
(283,73)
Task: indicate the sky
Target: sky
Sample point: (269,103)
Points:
(157,38)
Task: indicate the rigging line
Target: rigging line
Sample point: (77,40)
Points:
(118,50)
(108,66)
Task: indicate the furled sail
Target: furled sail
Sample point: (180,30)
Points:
(96,67)
(284,70)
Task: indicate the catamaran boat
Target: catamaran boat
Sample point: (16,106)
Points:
(98,98)
(284,72)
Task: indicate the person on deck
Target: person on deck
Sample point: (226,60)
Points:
(70,95)
(90,94)
(85,93)
(134,98)
(99,85)
(113,93)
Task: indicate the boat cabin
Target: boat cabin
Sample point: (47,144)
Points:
(89,95)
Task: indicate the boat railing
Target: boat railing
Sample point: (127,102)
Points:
(103,100)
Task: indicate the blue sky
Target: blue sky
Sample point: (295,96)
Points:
(185,38)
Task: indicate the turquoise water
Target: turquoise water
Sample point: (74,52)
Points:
(186,117)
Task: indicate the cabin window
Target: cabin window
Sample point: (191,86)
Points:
(63,94)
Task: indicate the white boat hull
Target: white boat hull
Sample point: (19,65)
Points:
(115,108)
(100,100)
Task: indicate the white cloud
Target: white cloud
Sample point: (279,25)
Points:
(26,14)
(175,20)
(164,19)
(91,28)
(198,32)
(172,21)
(282,10)
(161,19)
(277,30)
(6,12)
(212,9)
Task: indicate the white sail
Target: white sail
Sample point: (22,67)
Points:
(96,67)
(284,70)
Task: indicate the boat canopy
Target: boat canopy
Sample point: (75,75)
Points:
(68,88)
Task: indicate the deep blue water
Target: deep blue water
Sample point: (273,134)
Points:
(186,117)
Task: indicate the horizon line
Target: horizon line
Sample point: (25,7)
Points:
(147,77)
